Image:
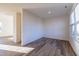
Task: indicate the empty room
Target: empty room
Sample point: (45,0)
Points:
(41,29)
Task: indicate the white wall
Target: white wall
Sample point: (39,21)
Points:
(7,25)
(57,28)
(32,27)
(18,27)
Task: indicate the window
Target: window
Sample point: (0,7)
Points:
(77,13)
(72,22)
(75,23)
(77,29)
(0,26)
(72,18)
(73,29)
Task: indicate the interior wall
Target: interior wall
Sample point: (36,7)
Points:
(7,22)
(18,27)
(35,27)
(32,27)
(57,28)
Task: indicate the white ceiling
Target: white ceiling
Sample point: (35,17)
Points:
(57,9)
(41,9)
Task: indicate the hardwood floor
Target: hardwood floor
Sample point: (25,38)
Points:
(50,47)
(10,53)
(8,41)
(44,47)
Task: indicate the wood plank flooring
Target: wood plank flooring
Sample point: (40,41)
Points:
(6,41)
(50,47)
(43,47)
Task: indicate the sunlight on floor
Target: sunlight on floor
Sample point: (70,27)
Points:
(16,48)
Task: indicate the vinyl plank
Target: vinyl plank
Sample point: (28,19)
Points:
(50,47)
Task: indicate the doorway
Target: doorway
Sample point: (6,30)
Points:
(9,28)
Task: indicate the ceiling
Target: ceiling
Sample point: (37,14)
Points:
(51,10)
(42,9)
